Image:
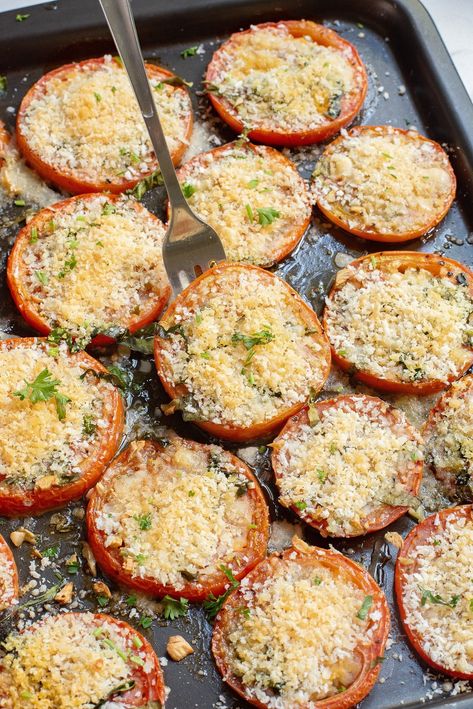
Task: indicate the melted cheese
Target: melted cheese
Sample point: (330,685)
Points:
(384,181)
(276,81)
(189,514)
(294,639)
(67,662)
(232,185)
(35,443)
(86,121)
(348,463)
(443,567)
(405,327)
(226,382)
(95,264)
(7,576)
(449,440)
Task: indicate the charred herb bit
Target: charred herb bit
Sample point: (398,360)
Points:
(243,137)
(211,88)
(213,604)
(44,388)
(437,599)
(463,478)
(335,104)
(174,607)
(189,52)
(462,279)
(188,575)
(173,81)
(114,375)
(173,330)
(88,425)
(121,689)
(365,606)
(148,183)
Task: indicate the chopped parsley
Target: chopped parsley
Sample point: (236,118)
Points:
(131,600)
(88,425)
(19,202)
(253,183)
(98,97)
(438,600)
(42,277)
(51,552)
(144,521)
(22,18)
(72,567)
(34,235)
(174,607)
(187,190)
(249,213)
(213,604)
(365,606)
(267,215)
(43,388)
(301,505)
(108,208)
(145,621)
(102,601)
(3,83)
(189,52)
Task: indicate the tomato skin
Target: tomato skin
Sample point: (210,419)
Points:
(421,534)
(369,654)
(271,154)
(9,595)
(384,514)
(33,502)
(67,181)
(16,273)
(229,431)
(320,35)
(149,686)
(111,562)
(394,237)
(399,261)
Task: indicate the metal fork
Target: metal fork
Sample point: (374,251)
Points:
(190,245)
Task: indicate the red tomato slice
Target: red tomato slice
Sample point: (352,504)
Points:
(409,477)
(9,591)
(192,298)
(350,105)
(389,262)
(68,180)
(139,455)
(148,678)
(367,653)
(27,302)
(15,501)
(345,222)
(275,163)
(459,394)
(406,565)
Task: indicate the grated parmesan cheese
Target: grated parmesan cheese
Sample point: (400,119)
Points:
(357,456)
(189,513)
(231,185)
(443,568)
(449,440)
(35,443)
(204,350)
(273,80)
(294,641)
(405,326)
(99,264)
(71,122)
(71,661)
(385,181)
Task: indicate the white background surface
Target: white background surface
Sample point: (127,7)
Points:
(454,19)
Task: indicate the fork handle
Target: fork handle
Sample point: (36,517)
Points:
(122,26)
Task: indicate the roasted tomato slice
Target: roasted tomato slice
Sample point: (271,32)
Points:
(88,264)
(197,512)
(61,424)
(107,661)
(263,80)
(434,590)
(239,352)
(306,628)
(400,321)
(349,465)
(448,435)
(351,176)
(253,196)
(8,576)
(67,127)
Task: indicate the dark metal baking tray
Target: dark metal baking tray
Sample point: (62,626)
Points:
(401,47)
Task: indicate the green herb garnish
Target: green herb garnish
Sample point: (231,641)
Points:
(366,605)
(267,215)
(43,388)
(174,607)
(189,52)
